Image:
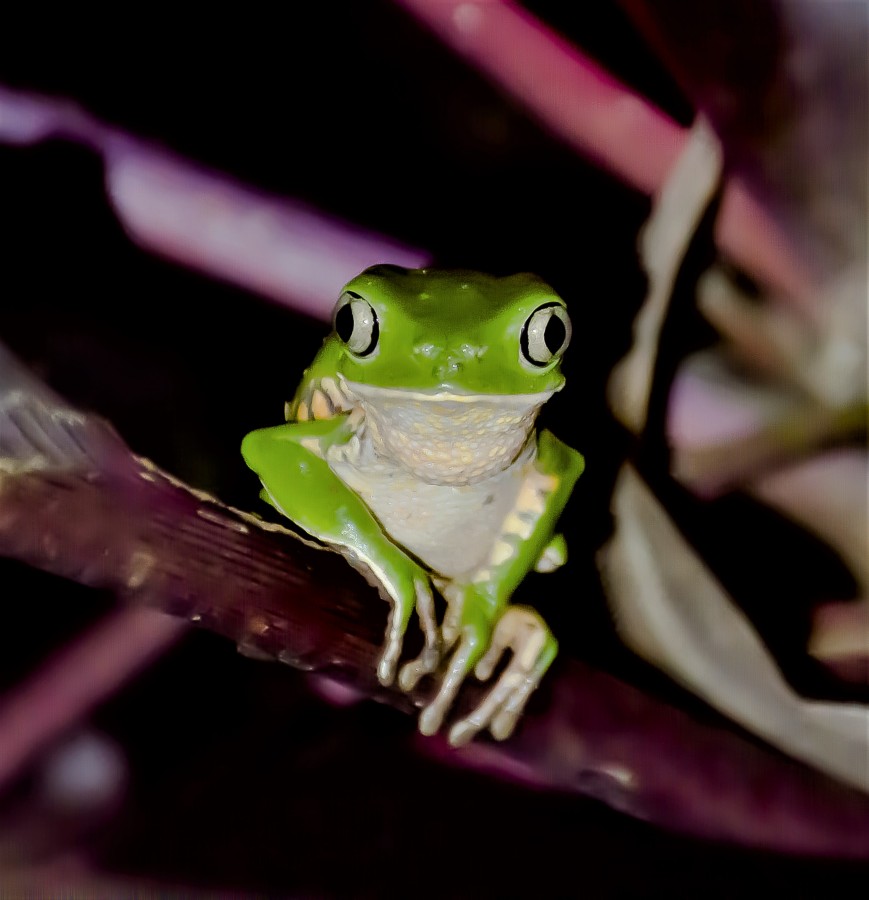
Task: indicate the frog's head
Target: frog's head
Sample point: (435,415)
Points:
(451,367)
(451,332)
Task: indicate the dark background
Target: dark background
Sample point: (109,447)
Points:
(240,777)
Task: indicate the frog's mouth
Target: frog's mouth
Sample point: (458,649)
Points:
(445,437)
(375,394)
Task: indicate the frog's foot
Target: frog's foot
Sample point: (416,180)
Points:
(534,648)
(462,662)
(471,637)
(428,659)
(399,615)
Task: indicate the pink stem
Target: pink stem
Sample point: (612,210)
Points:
(81,675)
(584,105)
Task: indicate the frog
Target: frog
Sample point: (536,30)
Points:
(411,447)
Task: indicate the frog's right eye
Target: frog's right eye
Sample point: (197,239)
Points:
(355,322)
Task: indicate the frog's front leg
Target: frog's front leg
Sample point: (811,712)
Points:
(481,624)
(290,461)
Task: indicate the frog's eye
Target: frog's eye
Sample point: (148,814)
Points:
(545,334)
(356,323)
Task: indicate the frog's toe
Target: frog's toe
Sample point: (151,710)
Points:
(425,609)
(387,665)
(416,594)
(501,709)
(428,660)
(430,719)
(462,662)
(392,651)
(450,631)
(505,721)
(451,627)
(464,731)
(424,664)
(486,713)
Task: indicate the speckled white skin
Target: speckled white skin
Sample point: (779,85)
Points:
(444,438)
(440,472)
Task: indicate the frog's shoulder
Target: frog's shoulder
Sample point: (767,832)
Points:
(319,394)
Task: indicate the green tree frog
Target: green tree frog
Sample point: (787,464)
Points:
(410,446)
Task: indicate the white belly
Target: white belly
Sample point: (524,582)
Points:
(449,528)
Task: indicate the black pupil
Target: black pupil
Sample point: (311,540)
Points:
(554,334)
(344,323)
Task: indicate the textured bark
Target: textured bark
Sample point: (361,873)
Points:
(76,502)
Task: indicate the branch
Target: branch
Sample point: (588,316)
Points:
(76,502)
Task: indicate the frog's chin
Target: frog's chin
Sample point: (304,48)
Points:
(445,437)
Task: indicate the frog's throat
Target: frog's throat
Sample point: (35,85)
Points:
(448,438)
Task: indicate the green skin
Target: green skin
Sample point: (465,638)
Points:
(440,335)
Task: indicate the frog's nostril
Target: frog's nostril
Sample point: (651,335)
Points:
(427,349)
(449,368)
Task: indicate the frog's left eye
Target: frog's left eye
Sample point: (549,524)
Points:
(355,322)
(545,334)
